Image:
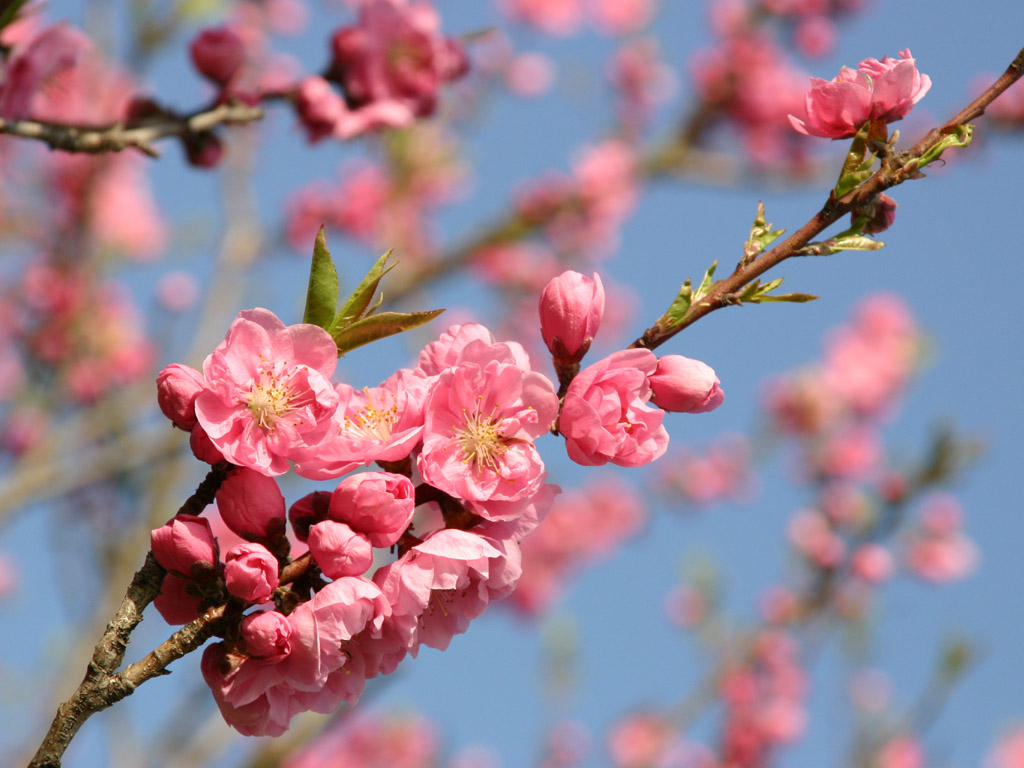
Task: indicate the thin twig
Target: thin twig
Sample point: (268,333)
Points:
(906,167)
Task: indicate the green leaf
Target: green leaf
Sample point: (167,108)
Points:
(705,283)
(961,137)
(857,164)
(379,326)
(761,236)
(355,307)
(839,243)
(681,304)
(9,11)
(322,294)
(795,298)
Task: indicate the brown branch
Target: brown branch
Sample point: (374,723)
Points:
(906,165)
(140,134)
(103,685)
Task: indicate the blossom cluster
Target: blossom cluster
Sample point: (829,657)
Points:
(461,484)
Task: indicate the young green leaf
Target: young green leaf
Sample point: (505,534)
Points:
(705,283)
(361,297)
(761,236)
(379,326)
(322,294)
(681,304)
(857,165)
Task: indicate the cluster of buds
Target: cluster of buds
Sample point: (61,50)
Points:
(606,413)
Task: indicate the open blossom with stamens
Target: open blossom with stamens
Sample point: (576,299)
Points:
(373,424)
(268,397)
(482,417)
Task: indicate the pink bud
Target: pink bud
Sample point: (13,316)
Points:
(204,149)
(309,510)
(881,213)
(202,446)
(267,635)
(319,106)
(251,505)
(218,54)
(250,572)
(186,545)
(338,550)
(685,386)
(175,602)
(872,563)
(177,387)
(571,308)
(378,504)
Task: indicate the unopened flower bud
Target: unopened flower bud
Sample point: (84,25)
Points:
(338,550)
(177,387)
(571,308)
(267,635)
(378,504)
(218,54)
(203,149)
(319,107)
(309,510)
(251,505)
(176,601)
(880,212)
(250,572)
(186,545)
(685,386)
(202,446)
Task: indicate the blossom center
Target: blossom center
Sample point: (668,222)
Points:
(481,441)
(272,398)
(372,421)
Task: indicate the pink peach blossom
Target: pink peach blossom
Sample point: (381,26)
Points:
(269,396)
(571,308)
(872,563)
(37,62)
(685,386)
(308,511)
(620,17)
(1008,751)
(266,635)
(259,696)
(883,91)
(187,546)
(178,601)
(177,387)
(605,416)
(251,505)
(481,420)
(396,58)
(218,53)
(338,550)
(383,423)
(377,504)
(250,572)
(556,17)
(440,585)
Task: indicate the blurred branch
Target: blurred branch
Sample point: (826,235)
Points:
(140,134)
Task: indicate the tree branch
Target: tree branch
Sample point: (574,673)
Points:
(103,685)
(906,165)
(140,134)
